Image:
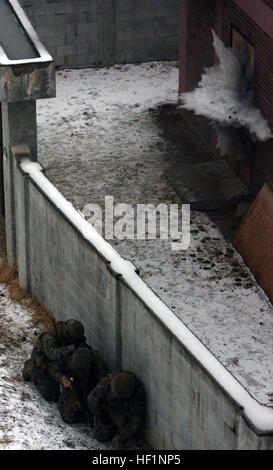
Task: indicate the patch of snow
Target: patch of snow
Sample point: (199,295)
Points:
(27,421)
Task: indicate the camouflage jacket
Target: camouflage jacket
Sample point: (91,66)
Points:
(127,414)
(86,376)
(54,355)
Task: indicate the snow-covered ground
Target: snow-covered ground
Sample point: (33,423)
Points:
(97,139)
(27,421)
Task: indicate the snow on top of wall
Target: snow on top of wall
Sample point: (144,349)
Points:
(40,48)
(224,93)
(261,416)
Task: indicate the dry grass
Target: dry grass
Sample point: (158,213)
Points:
(39,313)
(8,339)
(6,440)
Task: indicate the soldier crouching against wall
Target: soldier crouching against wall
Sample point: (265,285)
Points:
(118,406)
(65,368)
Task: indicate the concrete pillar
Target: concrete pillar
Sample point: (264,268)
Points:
(21,199)
(19,127)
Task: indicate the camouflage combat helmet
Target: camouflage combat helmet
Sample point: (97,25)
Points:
(81,362)
(122,384)
(73,331)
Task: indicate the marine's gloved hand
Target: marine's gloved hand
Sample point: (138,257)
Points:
(66,382)
(117,442)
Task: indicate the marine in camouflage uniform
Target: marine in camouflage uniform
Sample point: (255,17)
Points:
(64,368)
(118,406)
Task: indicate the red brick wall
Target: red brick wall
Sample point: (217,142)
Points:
(200,54)
(200,21)
(262,155)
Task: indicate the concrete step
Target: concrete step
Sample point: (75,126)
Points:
(207,186)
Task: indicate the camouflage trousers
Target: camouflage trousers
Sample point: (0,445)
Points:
(71,401)
(114,426)
(47,386)
(104,428)
(70,407)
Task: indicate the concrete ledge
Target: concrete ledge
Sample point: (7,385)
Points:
(206,186)
(254,238)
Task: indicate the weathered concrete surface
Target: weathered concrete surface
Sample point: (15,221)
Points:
(89,33)
(18,153)
(254,238)
(27,82)
(26,69)
(187,409)
(19,126)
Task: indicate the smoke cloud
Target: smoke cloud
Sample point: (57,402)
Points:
(225,96)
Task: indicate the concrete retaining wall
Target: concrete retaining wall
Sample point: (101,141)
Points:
(62,270)
(187,407)
(86,33)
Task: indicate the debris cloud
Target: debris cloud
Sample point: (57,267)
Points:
(225,96)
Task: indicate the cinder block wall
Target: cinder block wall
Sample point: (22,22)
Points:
(71,279)
(147,30)
(186,407)
(86,33)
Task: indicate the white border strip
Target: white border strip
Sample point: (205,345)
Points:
(261,416)
(41,50)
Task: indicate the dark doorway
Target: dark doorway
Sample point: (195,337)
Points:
(242,168)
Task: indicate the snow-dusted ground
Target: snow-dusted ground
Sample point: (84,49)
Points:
(98,138)
(27,421)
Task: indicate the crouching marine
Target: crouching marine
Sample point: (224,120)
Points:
(65,368)
(118,406)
